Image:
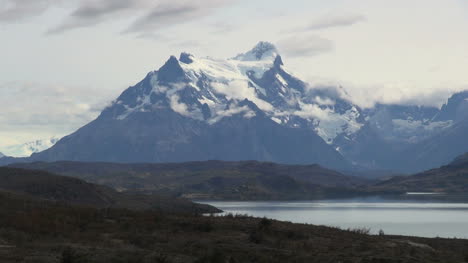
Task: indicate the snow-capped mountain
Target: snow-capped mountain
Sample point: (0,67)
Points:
(2,155)
(447,143)
(243,108)
(409,138)
(26,149)
(209,90)
(250,107)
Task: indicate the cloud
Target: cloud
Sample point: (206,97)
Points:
(366,96)
(178,106)
(334,21)
(324,101)
(187,44)
(148,16)
(313,111)
(305,46)
(92,12)
(17,10)
(223,27)
(40,111)
(233,109)
(164,15)
(100,8)
(402,94)
(240,90)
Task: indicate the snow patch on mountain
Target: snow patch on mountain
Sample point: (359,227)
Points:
(328,123)
(262,51)
(411,125)
(26,149)
(414,131)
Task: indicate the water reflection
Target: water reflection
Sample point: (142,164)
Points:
(413,218)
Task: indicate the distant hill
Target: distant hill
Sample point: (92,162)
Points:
(47,186)
(5,160)
(461,160)
(249,180)
(451,179)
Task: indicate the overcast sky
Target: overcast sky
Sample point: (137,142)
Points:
(62,61)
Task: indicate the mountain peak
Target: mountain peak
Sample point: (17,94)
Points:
(278,61)
(262,51)
(171,71)
(456,107)
(186,58)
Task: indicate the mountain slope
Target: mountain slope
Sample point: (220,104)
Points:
(438,150)
(409,138)
(450,179)
(449,143)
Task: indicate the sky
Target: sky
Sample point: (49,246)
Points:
(63,61)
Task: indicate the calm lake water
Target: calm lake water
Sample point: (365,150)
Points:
(410,218)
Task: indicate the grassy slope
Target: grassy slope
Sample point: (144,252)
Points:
(44,185)
(38,231)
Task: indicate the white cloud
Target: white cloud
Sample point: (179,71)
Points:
(178,106)
(167,13)
(399,93)
(233,109)
(32,111)
(17,10)
(324,101)
(305,46)
(313,111)
(331,21)
(148,15)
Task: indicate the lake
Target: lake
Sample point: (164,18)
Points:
(410,218)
